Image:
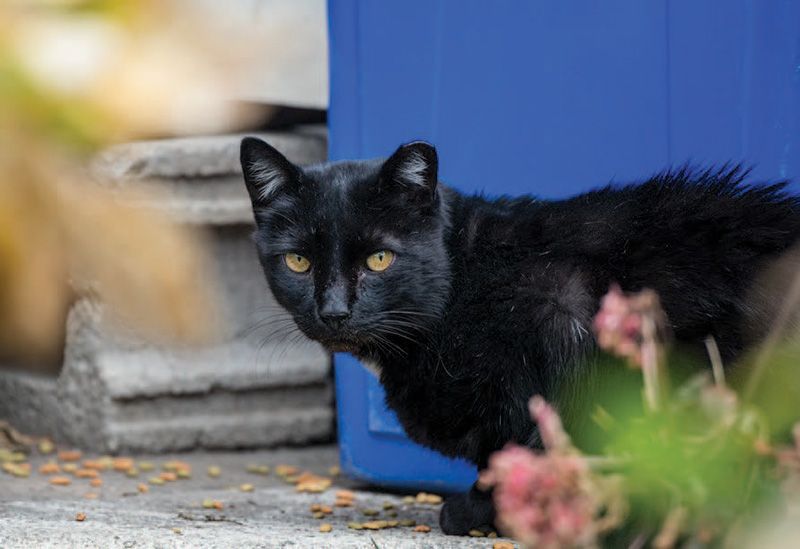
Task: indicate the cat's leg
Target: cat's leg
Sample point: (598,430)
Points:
(464,512)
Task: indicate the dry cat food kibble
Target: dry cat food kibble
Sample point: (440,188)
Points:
(476,534)
(503,545)
(60,481)
(96,482)
(424,528)
(156,481)
(246,487)
(212,504)
(431,499)
(408,522)
(214,471)
(143,488)
(146,466)
(46,446)
(168,476)
(286,470)
(258,469)
(86,473)
(122,464)
(94,464)
(69,455)
(325,527)
(80,517)
(69,467)
(49,468)
(369,512)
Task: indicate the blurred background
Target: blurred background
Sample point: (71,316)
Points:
(133,314)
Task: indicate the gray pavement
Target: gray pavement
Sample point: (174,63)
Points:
(34,513)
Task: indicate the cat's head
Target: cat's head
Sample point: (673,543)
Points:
(353,250)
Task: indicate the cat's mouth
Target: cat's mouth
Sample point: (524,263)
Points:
(341,345)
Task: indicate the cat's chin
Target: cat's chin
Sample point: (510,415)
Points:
(341,346)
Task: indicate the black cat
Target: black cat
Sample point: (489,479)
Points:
(469,306)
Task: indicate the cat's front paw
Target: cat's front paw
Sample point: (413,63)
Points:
(464,512)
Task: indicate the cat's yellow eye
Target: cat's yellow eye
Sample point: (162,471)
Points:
(380,261)
(297,262)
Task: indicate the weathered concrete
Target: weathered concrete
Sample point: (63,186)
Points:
(35,514)
(262,385)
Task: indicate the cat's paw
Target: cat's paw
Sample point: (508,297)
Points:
(464,512)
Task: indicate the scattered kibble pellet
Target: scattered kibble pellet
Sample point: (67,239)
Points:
(86,473)
(80,517)
(60,481)
(355,526)
(315,507)
(212,504)
(318,515)
(177,531)
(392,523)
(409,499)
(246,487)
(391,514)
(491,535)
(214,471)
(476,534)
(258,469)
(70,455)
(49,468)
(46,446)
(388,506)
(370,512)
(431,499)
(133,472)
(503,545)
(21,470)
(122,464)
(94,464)
(325,527)
(146,466)
(175,465)
(286,470)
(143,488)
(408,522)
(424,528)
(96,482)
(334,471)
(157,481)
(374,525)
(70,467)
(184,473)
(168,476)
(326,509)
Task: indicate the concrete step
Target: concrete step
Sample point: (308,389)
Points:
(117,393)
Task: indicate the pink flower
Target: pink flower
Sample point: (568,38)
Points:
(620,324)
(551,499)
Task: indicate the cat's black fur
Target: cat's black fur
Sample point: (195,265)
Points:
(489,302)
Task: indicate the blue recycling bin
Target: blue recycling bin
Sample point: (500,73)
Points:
(550,98)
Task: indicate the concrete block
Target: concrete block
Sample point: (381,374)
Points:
(256,387)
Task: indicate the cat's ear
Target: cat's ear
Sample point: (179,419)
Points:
(265,170)
(414,167)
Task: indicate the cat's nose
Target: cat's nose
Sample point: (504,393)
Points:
(334,317)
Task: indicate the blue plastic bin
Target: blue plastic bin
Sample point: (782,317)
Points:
(550,98)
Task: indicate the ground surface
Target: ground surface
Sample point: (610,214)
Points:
(34,513)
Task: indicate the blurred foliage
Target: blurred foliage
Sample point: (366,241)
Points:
(74,76)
